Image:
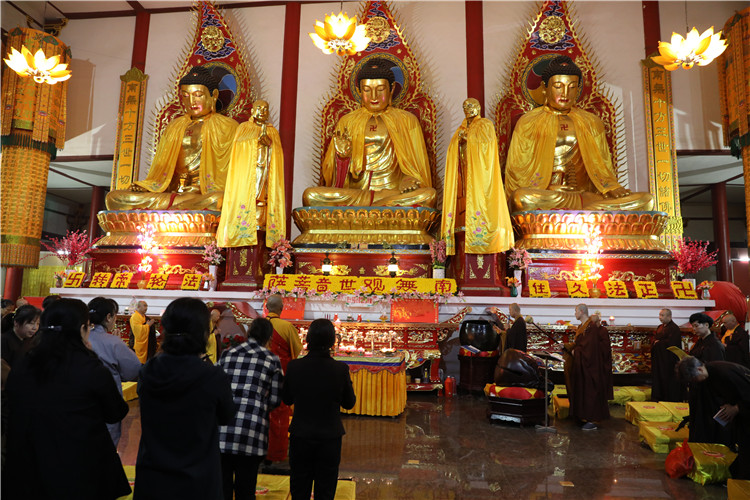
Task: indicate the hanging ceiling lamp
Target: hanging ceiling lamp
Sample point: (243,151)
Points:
(37,66)
(340,34)
(696,48)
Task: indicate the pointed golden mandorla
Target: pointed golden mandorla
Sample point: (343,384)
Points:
(696,48)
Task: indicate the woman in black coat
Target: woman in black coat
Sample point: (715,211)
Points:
(61,398)
(183,401)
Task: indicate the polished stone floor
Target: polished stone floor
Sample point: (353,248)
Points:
(445,449)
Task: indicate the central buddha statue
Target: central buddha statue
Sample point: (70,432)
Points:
(559,157)
(189,168)
(377,156)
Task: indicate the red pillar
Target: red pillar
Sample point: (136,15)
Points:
(97,204)
(721,230)
(475,51)
(651,26)
(13,283)
(140,40)
(288,111)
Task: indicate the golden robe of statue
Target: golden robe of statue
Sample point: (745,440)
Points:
(377,156)
(254,197)
(189,168)
(559,157)
(473,196)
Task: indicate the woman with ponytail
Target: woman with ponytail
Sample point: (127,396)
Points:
(61,397)
(119,359)
(183,401)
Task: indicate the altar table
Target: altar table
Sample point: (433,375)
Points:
(379,383)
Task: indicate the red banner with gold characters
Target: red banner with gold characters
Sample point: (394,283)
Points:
(353,284)
(662,161)
(129,128)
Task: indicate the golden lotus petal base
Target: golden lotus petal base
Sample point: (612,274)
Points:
(568,229)
(174,228)
(365,225)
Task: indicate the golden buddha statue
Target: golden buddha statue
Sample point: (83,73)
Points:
(256,172)
(559,157)
(474,198)
(377,156)
(190,165)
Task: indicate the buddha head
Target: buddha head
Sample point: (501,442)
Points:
(199,91)
(472,108)
(375,82)
(259,112)
(562,80)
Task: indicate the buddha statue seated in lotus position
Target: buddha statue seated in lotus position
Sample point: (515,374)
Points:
(559,157)
(377,156)
(189,168)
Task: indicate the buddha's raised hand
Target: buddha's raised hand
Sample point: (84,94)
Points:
(342,141)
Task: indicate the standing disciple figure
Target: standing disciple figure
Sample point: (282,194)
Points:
(61,398)
(285,343)
(377,155)
(728,383)
(735,340)
(318,386)
(189,169)
(255,374)
(143,341)
(121,362)
(559,158)
(591,371)
(254,196)
(183,401)
(474,196)
(666,386)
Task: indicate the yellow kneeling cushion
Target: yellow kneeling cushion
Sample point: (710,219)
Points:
(646,411)
(678,410)
(661,437)
(712,462)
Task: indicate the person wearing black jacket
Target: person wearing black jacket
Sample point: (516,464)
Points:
(60,397)
(516,337)
(708,347)
(183,401)
(666,387)
(736,341)
(318,386)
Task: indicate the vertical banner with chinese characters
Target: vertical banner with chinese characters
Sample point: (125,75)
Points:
(662,162)
(129,128)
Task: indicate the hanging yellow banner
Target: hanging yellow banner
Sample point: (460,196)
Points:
(129,128)
(352,284)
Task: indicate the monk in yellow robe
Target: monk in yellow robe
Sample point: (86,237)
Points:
(559,157)
(474,197)
(254,197)
(377,156)
(189,168)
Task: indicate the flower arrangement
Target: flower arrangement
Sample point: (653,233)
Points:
(693,256)
(281,254)
(60,278)
(73,249)
(519,258)
(212,254)
(705,285)
(438,253)
(361,296)
(234,341)
(513,282)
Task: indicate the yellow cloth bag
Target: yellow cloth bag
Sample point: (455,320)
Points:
(648,411)
(678,410)
(737,489)
(712,462)
(661,437)
(639,393)
(622,396)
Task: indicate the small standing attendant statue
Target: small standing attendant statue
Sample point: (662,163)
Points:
(559,157)
(190,165)
(377,156)
(474,197)
(254,196)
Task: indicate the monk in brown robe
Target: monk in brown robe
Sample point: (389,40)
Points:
(591,371)
(665,386)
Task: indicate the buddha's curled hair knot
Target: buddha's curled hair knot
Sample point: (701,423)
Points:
(200,75)
(561,65)
(377,68)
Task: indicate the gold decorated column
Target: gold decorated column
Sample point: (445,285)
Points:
(129,129)
(662,161)
(33,129)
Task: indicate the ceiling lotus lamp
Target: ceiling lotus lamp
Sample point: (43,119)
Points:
(327,266)
(340,34)
(694,49)
(393,265)
(37,66)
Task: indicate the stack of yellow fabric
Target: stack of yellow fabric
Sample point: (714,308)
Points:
(661,437)
(678,410)
(129,391)
(712,462)
(560,402)
(737,489)
(639,392)
(622,396)
(646,411)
